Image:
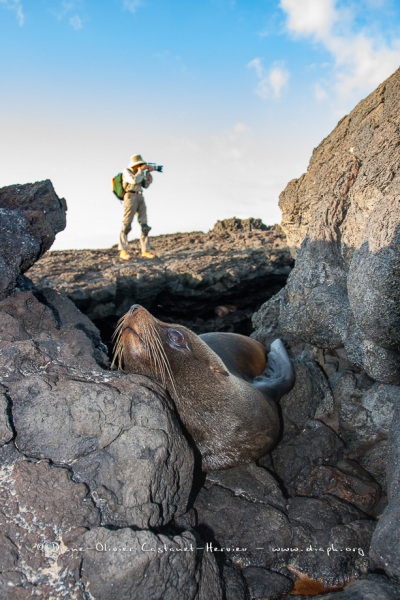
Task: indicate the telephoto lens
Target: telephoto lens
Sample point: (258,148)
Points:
(158,168)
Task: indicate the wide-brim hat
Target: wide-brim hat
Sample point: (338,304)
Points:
(136,160)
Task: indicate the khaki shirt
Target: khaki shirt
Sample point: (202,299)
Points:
(134,182)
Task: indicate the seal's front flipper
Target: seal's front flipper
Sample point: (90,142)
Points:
(279,377)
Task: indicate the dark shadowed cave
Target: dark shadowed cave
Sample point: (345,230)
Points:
(198,314)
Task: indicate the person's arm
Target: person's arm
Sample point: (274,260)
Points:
(147,180)
(132,178)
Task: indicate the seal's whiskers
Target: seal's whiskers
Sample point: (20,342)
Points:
(154,350)
(157,353)
(118,349)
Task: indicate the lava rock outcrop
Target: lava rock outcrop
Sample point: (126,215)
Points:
(344,214)
(30,218)
(207,281)
(340,314)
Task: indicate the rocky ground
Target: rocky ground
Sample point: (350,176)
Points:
(101,496)
(207,281)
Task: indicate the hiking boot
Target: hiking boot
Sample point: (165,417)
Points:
(147,255)
(124,255)
(145,229)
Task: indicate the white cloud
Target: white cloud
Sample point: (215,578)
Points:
(361,63)
(76,22)
(240,128)
(231,144)
(320,92)
(310,17)
(66,8)
(361,59)
(270,82)
(131,5)
(278,78)
(15,5)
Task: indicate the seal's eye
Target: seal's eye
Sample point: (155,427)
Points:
(177,338)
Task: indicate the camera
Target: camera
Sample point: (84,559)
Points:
(156,167)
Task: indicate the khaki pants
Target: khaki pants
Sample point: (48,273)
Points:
(134,204)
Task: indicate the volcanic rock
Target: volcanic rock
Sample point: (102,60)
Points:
(30,217)
(140,564)
(340,316)
(385,545)
(342,221)
(206,281)
(368,587)
(264,583)
(243,512)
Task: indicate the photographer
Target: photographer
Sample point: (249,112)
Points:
(134,178)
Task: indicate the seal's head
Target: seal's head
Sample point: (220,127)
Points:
(170,354)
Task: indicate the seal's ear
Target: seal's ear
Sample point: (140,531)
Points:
(220,371)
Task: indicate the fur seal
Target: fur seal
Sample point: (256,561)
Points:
(224,388)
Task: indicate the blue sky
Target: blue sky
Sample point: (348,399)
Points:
(231,96)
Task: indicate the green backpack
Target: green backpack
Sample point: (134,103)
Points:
(117,186)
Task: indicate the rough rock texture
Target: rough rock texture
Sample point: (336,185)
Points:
(243,511)
(266,584)
(30,217)
(339,313)
(119,438)
(385,548)
(345,214)
(330,540)
(115,437)
(368,587)
(206,281)
(140,564)
(42,512)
